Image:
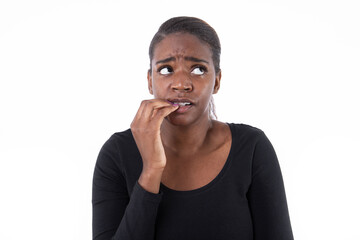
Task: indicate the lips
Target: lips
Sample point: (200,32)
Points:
(181,102)
(184,104)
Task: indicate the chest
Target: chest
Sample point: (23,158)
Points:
(196,171)
(218,213)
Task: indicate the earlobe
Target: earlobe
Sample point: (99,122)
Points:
(149,82)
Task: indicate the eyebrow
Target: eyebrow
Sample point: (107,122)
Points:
(193,59)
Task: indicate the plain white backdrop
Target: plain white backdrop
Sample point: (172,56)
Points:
(73,72)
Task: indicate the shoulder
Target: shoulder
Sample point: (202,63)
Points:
(119,146)
(245,127)
(119,157)
(256,142)
(245,131)
(120,140)
(124,136)
(256,139)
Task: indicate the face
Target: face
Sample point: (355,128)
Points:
(183,73)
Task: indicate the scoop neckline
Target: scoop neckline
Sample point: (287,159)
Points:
(218,177)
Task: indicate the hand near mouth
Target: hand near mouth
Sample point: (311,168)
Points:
(146,131)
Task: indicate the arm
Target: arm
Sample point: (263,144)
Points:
(116,215)
(115,211)
(266,195)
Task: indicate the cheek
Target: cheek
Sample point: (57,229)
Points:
(158,88)
(207,86)
(205,92)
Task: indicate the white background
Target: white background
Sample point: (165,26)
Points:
(74,72)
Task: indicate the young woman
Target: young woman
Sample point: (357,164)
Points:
(177,173)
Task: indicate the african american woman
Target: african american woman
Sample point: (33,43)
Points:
(178,173)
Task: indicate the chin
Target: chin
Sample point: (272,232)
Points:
(179,120)
(185,119)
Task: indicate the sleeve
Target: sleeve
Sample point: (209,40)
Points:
(266,195)
(116,215)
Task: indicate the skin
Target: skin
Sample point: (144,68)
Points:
(181,147)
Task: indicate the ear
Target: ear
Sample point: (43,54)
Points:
(149,77)
(217,82)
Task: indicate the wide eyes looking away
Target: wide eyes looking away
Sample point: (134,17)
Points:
(197,70)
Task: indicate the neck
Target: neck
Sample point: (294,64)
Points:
(184,140)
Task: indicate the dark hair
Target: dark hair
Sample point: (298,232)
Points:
(191,25)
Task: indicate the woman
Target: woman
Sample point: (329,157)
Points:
(178,173)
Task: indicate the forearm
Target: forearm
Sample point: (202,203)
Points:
(122,209)
(138,222)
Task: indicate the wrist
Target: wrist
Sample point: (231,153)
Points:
(150,179)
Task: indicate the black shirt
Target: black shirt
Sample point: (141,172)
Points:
(245,201)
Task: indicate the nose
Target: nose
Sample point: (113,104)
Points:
(181,82)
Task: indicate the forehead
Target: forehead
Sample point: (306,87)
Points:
(181,45)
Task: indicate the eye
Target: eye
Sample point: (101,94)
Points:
(198,70)
(165,70)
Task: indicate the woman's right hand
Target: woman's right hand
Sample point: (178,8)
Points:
(146,131)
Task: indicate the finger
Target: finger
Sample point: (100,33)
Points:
(138,117)
(147,110)
(161,110)
(158,118)
(152,106)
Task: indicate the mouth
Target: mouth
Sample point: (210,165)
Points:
(184,104)
(180,102)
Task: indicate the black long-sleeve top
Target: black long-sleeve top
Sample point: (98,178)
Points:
(245,201)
